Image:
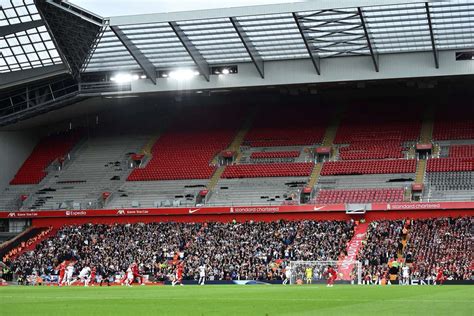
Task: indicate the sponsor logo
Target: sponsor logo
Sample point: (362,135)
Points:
(76,213)
(255,210)
(121,212)
(135,212)
(12,214)
(414,206)
(319,208)
(191,211)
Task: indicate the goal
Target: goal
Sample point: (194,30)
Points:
(350,271)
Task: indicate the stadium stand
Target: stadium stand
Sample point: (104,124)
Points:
(381,248)
(252,250)
(268,170)
(186,149)
(284,126)
(259,191)
(48,150)
(450,164)
(451,125)
(360,196)
(461,151)
(369,167)
(441,243)
(99,165)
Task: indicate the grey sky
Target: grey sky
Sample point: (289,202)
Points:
(108,8)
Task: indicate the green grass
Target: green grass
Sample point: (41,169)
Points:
(238,300)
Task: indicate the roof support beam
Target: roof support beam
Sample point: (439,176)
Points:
(433,42)
(193,52)
(373,53)
(314,56)
(19,27)
(251,50)
(146,65)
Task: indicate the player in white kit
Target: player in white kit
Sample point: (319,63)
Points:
(129,277)
(84,276)
(406,274)
(68,279)
(287,275)
(202,274)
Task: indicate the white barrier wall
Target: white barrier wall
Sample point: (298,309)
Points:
(15,147)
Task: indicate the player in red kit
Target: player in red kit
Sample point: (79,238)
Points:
(136,273)
(332,276)
(440,276)
(62,272)
(179,275)
(92,277)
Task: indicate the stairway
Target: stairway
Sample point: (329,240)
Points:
(315,174)
(328,140)
(235,147)
(420,171)
(215,178)
(344,266)
(426,132)
(146,150)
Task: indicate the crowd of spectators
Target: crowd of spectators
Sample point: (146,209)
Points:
(441,243)
(381,248)
(251,250)
(256,250)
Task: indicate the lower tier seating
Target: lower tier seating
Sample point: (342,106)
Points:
(369,167)
(299,169)
(360,196)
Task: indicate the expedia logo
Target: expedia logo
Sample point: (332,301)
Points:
(76,213)
(12,214)
(121,212)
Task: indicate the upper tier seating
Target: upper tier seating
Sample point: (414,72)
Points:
(457,151)
(378,138)
(284,126)
(372,150)
(299,169)
(369,167)
(452,125)
(450,164)
(360,196)
(186,150)
(46,151)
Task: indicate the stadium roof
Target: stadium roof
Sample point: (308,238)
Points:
(25,42)
(314,29)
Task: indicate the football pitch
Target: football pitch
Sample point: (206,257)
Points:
(238,300)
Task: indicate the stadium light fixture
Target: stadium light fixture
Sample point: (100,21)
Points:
(124,77)
(181,74)
(225,71)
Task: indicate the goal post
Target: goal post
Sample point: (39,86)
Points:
(350,271)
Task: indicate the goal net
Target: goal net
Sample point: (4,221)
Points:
(350,271)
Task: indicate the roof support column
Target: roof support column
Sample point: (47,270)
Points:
(251,50)
(373,53)
(433,42)
(146,65)
(193,52)
(314,56)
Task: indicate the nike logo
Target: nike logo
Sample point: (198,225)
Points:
(318,208)
(193,211)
